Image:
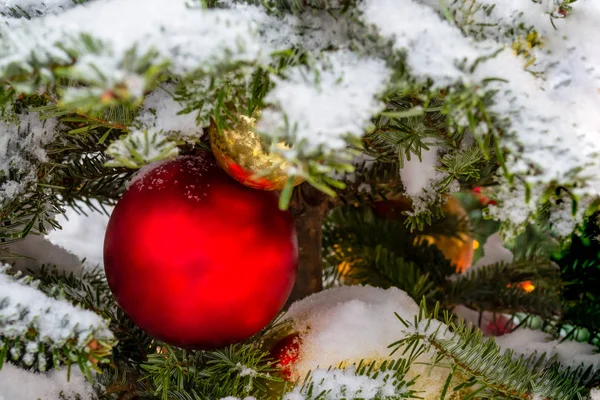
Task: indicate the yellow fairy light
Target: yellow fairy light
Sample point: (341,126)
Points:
(527,286)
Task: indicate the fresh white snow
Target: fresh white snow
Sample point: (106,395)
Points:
(19,384)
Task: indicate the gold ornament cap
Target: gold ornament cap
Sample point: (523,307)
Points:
(240,152)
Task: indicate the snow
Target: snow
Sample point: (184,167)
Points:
(82,235)
(434,49)
(345,384)
(140,148)
(34,8)
(56,321)
(19,384)
(246,371)
(493,252)
(160,111)
(37,250)
(562,219)
(569,353)
(511,208)
(183,34)
(320,106)
(236,398)
(342,326)
(21,147)
(418,174)
(595,394)
(550,123)
(312,30)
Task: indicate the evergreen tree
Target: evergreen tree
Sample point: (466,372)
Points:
(439,161)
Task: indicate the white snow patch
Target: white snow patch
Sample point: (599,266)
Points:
(81,235)
(36,250)
(34,8)
(182,33)
(344,383)
(493,252)
(19,384)
(22,142)
(54,320)
(417,174)
(160,111)
(569,353)
(344,325)
(321,106)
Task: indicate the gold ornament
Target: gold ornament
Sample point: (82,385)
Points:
(240,153)
(459,250)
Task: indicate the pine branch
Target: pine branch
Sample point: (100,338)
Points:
(406,128)
(351,234)
(497,288)
(239,370)
(32,212)
(36,330)
(382,268)
(490,372)
(386,380)
(90,291)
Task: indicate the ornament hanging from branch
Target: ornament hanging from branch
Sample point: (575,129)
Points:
(196,259)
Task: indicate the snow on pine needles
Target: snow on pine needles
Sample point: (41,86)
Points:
(56,321)
(179,33)
(22,141)
(544,105)
(544,98)
(320,106)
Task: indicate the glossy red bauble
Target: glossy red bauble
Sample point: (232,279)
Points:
(195,258)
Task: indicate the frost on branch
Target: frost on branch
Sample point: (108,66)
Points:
(162,112)
(570,353)
(187,38)
(160,123)
(349,383)
(543,105)
(320,108)
(140,148)
(22,138)
(41,323)
(33,8)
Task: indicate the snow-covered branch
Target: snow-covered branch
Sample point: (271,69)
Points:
(33,323)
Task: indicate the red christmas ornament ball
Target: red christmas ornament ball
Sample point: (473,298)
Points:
(287,351)
(196,259)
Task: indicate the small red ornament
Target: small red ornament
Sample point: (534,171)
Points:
(499,326)
(484,200)
(196,259)
(287,352)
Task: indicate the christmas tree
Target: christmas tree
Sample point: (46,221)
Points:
(299,200)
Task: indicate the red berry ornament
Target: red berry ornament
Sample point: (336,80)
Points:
(196,259)
(287,352)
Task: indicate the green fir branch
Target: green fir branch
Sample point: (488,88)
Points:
(495,288)
(489,372)
(387,379)
(25,338)
(239,370)
(90,291)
